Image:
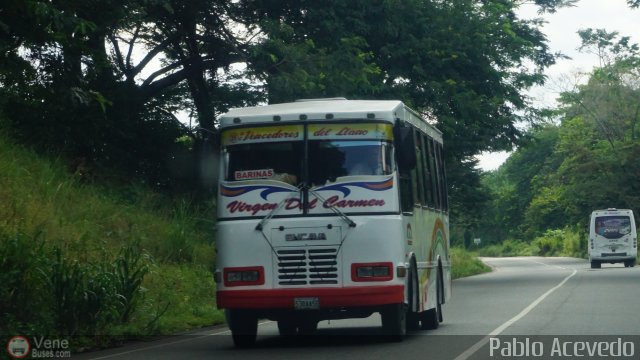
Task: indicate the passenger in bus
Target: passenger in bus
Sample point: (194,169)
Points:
(600,229)
(285,177)
(370,164)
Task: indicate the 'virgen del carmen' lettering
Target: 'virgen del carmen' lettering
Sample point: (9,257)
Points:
(295,203)
(335,201)
(239,206)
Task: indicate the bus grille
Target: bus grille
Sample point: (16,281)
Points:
(307,266)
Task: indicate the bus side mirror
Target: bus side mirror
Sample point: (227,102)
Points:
(405,147)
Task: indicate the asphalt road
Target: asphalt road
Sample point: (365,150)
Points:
(533,304)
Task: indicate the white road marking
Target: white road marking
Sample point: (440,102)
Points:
(470,351)
(541,263)
(171,343)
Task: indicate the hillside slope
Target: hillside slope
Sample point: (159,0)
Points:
(80,260)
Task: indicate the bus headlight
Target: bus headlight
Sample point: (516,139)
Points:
(372,271)
(244,276)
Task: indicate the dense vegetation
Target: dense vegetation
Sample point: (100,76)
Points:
(98,263)
(585,158)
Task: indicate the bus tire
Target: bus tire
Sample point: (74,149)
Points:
(440,294)
(595,264)
(432,318)
(394,321)
(413,317)
(307,327)
(244,328)
(287,327)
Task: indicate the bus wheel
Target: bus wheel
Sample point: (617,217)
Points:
(287,327)
(432,318)
(595,264)
(244,328)
(394,321)
(440,296)
(630,263)
(413,318)
(307,327)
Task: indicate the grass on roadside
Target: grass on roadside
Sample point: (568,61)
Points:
(80,259)
(466,264)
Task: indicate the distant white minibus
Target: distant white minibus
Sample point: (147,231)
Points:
(612,237)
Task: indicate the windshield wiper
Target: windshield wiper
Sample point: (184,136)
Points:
(271,213)
(342,215)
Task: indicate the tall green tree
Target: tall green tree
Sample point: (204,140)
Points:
(462,63)
(102,81)
(589,160)
(515,184)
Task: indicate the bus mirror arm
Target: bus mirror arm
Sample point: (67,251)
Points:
(264,220)
(267,217)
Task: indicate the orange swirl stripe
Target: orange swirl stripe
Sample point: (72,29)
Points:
(380,186)
(231,192)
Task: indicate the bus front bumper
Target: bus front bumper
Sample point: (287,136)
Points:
(328,297)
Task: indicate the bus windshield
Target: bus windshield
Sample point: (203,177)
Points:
(332,159)
(613,227)
(327,152)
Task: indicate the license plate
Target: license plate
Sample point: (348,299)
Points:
(309,303)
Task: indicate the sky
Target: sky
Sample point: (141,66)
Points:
(561,31)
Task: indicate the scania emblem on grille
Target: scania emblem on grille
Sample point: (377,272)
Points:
(305,236)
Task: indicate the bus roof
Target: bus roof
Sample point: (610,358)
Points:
(316,109)
(327,109)
(612,211)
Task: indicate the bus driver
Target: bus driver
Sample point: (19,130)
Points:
(370,163)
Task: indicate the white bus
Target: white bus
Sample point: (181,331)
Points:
(612,237)
(331,209)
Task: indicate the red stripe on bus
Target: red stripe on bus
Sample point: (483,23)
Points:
(329,297)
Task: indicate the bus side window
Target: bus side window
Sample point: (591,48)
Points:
(428,182)
(418,171)
(407,187)
(406,192)
(439,184)
(443,179)
(434,174)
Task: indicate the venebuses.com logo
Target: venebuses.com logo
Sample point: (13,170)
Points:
(19,347)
